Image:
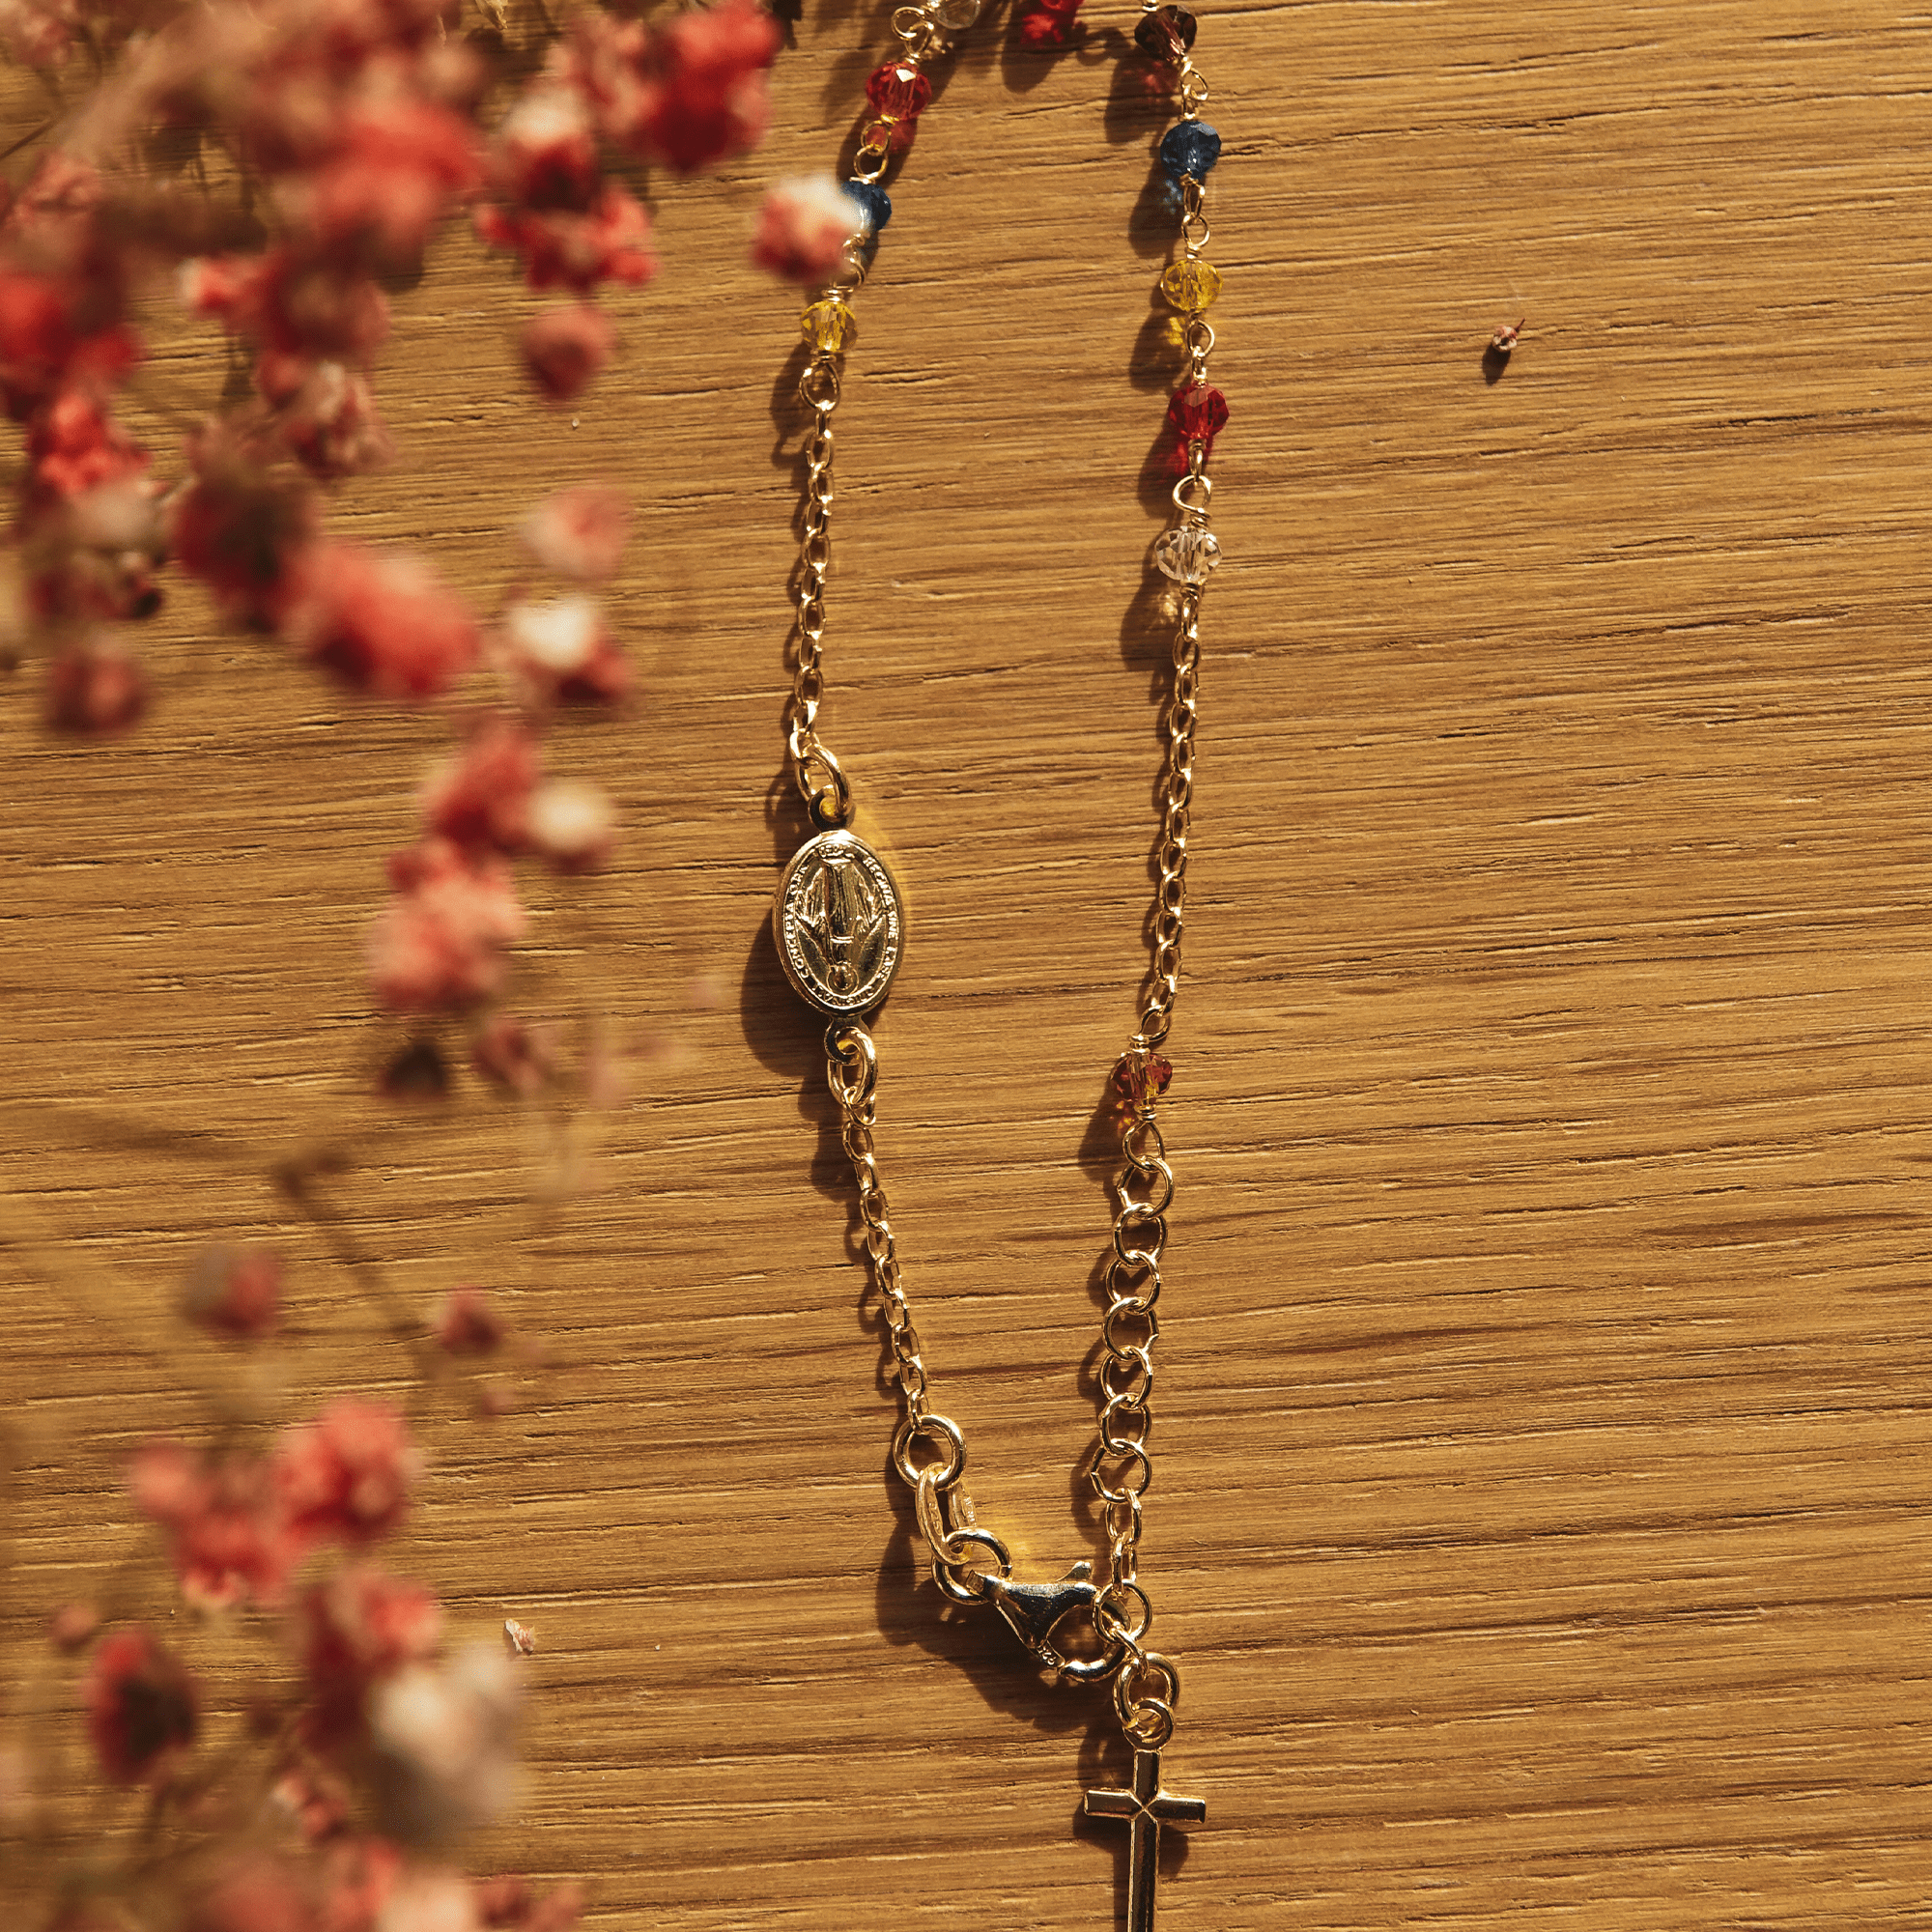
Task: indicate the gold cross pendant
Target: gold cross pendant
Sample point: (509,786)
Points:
(1147,1807)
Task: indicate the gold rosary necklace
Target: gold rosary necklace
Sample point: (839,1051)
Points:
(841,933)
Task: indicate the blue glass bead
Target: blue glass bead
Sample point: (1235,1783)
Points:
(1189,148)
(874,200)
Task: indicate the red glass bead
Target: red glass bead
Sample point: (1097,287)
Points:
(1198,412)
(1141,1078)
(898,89)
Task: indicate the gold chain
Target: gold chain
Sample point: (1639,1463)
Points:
(969,1563)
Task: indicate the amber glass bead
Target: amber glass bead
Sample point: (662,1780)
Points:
(1191,286)
(900,90)
(1167,32)
(825,325)
(1141,1078)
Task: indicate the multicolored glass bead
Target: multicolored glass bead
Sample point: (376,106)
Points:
(900,90)
(825,324)
(1191,285)
(1189,148)
(1166,33)
(1187,554)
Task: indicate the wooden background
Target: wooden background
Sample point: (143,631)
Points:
(1541,1518)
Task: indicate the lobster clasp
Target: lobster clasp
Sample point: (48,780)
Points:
(1034,1612)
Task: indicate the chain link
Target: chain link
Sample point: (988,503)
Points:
(827,797)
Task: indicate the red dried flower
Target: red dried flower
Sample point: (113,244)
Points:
(380,621)
(326,414)
(510,1905)
(568,248)
(564,349)
(481,797)
(143,1708)
(94,687)
(466,1324)
(243,526)
(234,1290)
(803,227)
(232,1539)
(75,446)
(438,945)
(297,302)
(396,165)
(700,96)
(360,1626)
(345,1475)
(546,148)
(578,532)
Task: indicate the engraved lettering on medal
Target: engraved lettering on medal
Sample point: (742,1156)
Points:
(837,924)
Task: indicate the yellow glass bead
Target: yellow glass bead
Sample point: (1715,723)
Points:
(1191,286)
(826,325)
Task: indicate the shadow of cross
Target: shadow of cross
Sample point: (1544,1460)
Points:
(1147,1808)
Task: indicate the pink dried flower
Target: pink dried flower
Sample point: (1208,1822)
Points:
(466,1324)
(345,1476)
(445,1741)
(316,1804)
(73,1625)
(95,688)
(38,33)
(573,824)
(327,414)
(438,945)
(234,1290)
(564,349)
(382,622)
(294,302)
(361,1879)
(562,653)
(546,148)
(359,1626)
(510,1905)
(481,796)
(571,248)
(513,1055)
(578,532)
(73,445)
(396,165)
(232,1539)
(519,1639)
(252,1892)
(143,1708)
(701,93)
(803,227)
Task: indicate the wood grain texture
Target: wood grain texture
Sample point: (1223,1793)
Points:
(1541,1518)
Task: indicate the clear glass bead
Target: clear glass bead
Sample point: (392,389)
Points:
(956,15)
(1187,554)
